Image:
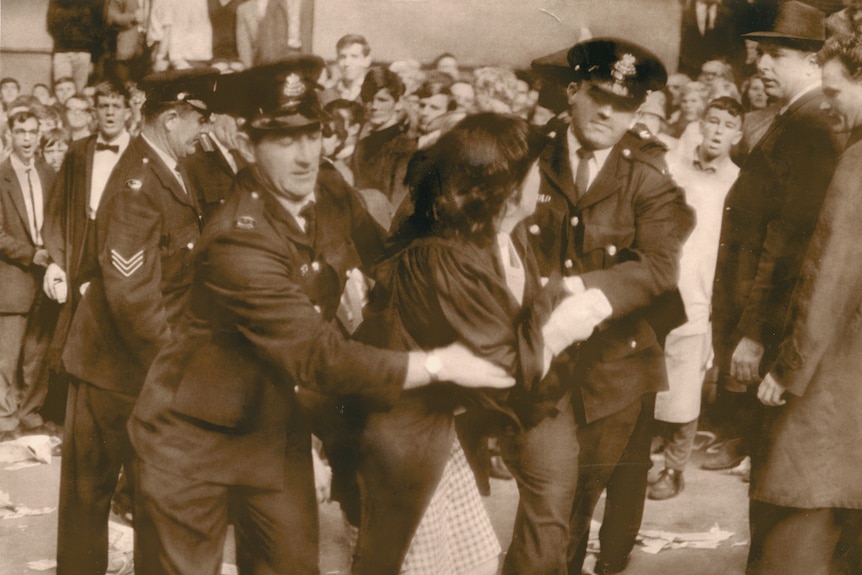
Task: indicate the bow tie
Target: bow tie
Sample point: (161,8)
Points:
(101,147)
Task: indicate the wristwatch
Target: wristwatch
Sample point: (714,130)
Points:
(433,365)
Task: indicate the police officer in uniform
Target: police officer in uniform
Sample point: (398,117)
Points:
(610,215)
(217,427)
(146,227)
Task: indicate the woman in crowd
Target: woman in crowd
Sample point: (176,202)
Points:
(465,274)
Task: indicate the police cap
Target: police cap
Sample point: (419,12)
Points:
(281,95)
(623,70)
(194,86)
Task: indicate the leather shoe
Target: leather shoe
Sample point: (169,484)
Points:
(724,455)
(668,485)
(604,567)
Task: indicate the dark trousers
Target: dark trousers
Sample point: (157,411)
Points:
(181,522)
(34,373)
(12,328)
(544,462)
(615,454)
(95,446)
(403,454)
(791,541)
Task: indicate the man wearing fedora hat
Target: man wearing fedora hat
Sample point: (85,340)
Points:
(808,484)
(133,280)
(769,215)
(218,430)
(609,214)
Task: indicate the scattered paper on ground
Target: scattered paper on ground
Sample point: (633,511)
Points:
(10,510)
(121,546)
(41,565)
(654,541)
(27,448)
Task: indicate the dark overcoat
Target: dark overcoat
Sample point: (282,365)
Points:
(812,457)
(19,277)
(769,215)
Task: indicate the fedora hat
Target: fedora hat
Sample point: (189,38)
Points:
(797,25)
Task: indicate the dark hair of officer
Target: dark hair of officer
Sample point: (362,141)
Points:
(460,184)
(381,79)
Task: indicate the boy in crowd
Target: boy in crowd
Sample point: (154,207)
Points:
(706,176)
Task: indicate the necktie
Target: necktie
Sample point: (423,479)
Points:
(103,147)
(309,214)
(36,236)
(582,175)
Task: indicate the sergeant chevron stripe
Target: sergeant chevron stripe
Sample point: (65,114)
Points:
(127,266)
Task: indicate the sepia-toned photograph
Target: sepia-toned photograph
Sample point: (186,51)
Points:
(431,287)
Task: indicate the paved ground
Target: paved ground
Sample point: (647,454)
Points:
(710,498)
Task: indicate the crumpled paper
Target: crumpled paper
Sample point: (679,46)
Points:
(27,450)
(10,510)
(654,541)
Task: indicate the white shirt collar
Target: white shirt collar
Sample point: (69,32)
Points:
(169,161)
(20,166)
(812,86)
(598,160)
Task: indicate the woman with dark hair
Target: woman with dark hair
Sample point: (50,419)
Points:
(464,273)
(384,150)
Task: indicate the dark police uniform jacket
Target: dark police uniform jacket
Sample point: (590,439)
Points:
(769,216)
(219,404)
(623,236)
(146,229)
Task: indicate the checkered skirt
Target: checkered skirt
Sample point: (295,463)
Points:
(455,533)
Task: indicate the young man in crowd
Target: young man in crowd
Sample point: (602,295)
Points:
(79,117)
(25,185)
(139,272)
(217,430)
(70,216)
(806,497)
(353,59)
(706,176)
(609,214)
(9,90)
(64,88)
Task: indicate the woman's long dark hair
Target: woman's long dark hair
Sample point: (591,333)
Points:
(460,184)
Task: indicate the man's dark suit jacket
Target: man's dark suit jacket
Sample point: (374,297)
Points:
(19,278)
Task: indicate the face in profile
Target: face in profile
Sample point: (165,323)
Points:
(381,110)
(184,131)
(843,97)
(599,120)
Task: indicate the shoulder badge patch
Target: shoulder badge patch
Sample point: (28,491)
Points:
(134,185)
(127,266)
(245,223)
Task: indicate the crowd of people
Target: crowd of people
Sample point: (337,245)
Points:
(226,261)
